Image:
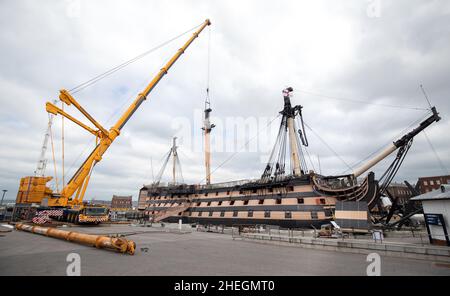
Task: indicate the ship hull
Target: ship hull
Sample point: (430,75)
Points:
(293,202)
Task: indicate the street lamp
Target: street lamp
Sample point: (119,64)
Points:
(3,196)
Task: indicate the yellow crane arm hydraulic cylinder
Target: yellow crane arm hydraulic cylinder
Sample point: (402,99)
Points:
(102,242)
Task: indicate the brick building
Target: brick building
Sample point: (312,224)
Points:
(401,191)
(428,184)
(121,203)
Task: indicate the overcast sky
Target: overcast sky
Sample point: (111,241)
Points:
(335,54)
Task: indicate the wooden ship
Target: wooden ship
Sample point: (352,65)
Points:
(287,194)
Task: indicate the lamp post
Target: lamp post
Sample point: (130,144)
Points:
(3,196)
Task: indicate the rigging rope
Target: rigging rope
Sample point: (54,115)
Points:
(245,145)
(328,146)
(443,167)
(384,145)
(359,101)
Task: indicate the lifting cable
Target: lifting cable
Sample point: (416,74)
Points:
(53,156)
(99,77)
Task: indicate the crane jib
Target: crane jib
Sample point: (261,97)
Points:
(136,106)
(81,177)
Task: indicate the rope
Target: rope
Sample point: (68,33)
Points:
(53,156)
(245,145)
(384,145)
(328,146)
(103,75)
(444,169)
(359,101)
(425,94)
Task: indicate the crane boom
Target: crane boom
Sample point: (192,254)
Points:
(42,162)
(80,179)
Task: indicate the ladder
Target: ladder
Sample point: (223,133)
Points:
(170,212)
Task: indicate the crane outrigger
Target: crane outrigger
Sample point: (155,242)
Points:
(70,198)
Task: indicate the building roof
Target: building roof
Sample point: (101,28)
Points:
(119,197)
(438,194)
(434,177)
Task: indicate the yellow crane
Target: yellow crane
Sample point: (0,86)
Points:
(33,189)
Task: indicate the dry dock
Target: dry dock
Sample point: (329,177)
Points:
(193,253)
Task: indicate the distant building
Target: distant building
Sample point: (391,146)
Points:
(400,191)
(121,203)
(428,184)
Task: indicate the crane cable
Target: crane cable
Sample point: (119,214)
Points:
(53,156)
(103,75)
(99,77)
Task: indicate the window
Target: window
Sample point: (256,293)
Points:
(290,188)
(210,214)
(314,215)
(208,204)
(235,213)
(231,202)
(228,192)
(245,202)
(206,194)
(432,182)
(270,189)
(300,200)
(438,182)
(425,183)
(322,201)
(222,214)
(261,201)
(278,201)
(198,204)
(200,214)
(250,213)
(267,214)
(254,190)
(287,215)
(190,213)
(240,191)
(220,203)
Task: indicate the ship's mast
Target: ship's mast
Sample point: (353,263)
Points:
(289,112)
(207,127)
(175,159)
(276,165)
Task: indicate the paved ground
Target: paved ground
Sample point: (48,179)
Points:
(195,253)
